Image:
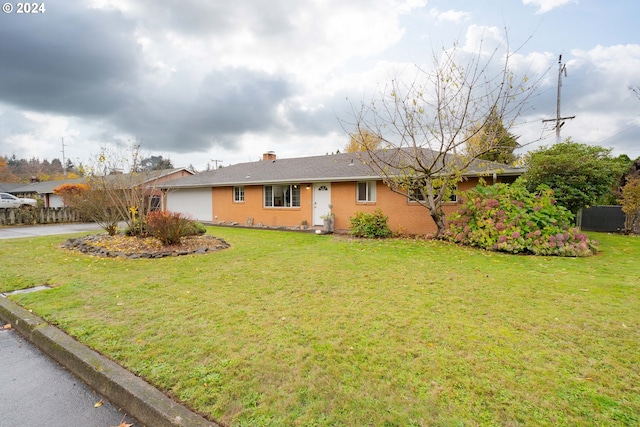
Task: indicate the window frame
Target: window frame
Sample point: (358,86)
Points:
(238,194)
(370,192)
(289,200)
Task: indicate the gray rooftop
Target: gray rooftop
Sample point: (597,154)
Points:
(47,187)
(332,167)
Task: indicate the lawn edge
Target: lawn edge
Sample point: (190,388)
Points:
(122,388)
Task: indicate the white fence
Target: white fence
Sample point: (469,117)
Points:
(29,216)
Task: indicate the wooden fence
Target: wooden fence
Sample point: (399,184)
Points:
(30,216)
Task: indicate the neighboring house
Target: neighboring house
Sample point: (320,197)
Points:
(150,179)
(44,191)
(7,187)
(295,191)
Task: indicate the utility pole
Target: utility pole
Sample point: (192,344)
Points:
(64,161)
(216,162)
(562,68)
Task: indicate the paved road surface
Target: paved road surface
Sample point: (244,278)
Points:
(37,392)
(34,390)
(46,230)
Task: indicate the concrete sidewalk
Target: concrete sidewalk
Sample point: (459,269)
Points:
(119,386)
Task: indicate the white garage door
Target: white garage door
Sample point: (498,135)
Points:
(195,202)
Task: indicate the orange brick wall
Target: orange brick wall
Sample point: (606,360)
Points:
(225,209)
(404,216)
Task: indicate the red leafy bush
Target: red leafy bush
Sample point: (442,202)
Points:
(168,227)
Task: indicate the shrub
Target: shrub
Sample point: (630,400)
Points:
(511,219)
(194,228)
(138,228)
(169,227)
(371,225)
(70,192)
(630,201)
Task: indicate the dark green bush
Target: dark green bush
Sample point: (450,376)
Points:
(371,225)
(193,228)
(139,228)
(509,218)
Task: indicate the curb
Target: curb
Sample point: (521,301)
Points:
(120,387)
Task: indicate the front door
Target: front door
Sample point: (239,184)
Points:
(321,201)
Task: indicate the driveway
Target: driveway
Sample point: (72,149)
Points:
(14,232)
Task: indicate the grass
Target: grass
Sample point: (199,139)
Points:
(292,329)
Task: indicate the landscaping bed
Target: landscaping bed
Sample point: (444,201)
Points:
(143,247)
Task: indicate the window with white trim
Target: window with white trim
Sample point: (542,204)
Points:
(415,195)
(238,194)
(287,196)
(366,191)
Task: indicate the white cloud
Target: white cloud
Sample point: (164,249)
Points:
(607,72)
(306,40)
(406,6)
(451,16)
(45,133)
(596,92)
(228,80)
(483,40)
(545,6)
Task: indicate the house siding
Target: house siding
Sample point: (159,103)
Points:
(226,210)
(404,216)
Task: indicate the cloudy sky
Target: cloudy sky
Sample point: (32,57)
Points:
(198,80)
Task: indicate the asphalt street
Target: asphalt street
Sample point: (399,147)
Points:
(34,390)
(46,230)
(37,392)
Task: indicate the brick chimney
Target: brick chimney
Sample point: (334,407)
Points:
(269,155)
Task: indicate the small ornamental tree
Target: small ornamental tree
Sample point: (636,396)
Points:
(509,218)
(424,120)
(630,201)
(71,194)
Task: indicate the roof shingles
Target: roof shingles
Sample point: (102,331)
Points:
(334,167)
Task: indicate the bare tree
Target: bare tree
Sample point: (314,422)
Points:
(425,124)
(116,188)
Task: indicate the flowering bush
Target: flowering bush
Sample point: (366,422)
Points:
(509,218)
(169,227)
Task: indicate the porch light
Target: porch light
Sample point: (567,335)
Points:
(308,186)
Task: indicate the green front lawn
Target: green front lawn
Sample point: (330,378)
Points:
(292,329)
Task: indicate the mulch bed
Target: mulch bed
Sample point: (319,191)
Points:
(121,246)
